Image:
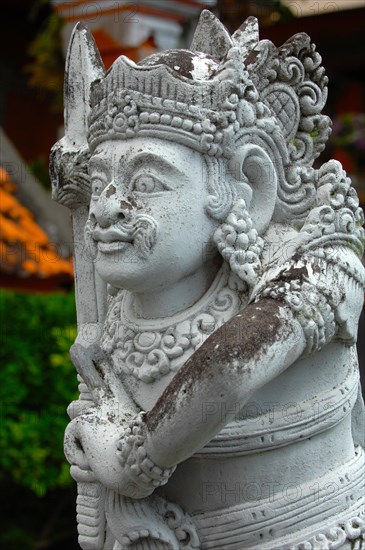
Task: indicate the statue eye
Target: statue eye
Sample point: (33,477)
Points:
(146,183)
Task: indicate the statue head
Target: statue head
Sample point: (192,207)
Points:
(192,149)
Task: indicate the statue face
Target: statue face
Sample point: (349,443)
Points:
(148,226)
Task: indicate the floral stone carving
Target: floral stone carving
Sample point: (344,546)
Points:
(219,286)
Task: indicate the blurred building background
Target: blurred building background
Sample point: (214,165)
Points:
(36,378)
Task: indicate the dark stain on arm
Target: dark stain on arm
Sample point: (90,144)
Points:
(242,338)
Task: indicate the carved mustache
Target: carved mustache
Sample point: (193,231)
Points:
(141,232)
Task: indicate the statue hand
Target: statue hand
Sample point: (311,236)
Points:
(114,453)
(91,445)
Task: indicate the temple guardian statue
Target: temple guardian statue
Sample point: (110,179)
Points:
(219,286)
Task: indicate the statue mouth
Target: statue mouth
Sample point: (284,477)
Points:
(111,235)
(116,246)
(111,239)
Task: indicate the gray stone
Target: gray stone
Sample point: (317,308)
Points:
(219,287)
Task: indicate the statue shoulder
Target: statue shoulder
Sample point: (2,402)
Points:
(315,267)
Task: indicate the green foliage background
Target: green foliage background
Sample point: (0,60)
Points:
(37,382)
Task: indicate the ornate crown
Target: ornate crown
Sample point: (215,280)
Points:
(210,96)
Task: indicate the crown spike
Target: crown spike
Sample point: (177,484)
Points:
(83,67)
(247,35)
(211,37)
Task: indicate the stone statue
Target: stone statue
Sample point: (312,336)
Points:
(219,286)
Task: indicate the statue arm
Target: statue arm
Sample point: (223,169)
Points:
(305,306)
(135,454)
(250,350)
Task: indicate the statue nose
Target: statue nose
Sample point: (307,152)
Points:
(111,208)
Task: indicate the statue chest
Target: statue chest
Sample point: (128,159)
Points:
(146,359)
(147,353)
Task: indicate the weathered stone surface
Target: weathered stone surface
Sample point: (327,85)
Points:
(219,290)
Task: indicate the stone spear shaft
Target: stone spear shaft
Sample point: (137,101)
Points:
(71,187)
(69,172)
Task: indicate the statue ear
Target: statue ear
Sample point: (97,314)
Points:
(256,181)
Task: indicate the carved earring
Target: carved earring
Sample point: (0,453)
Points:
(241,247)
